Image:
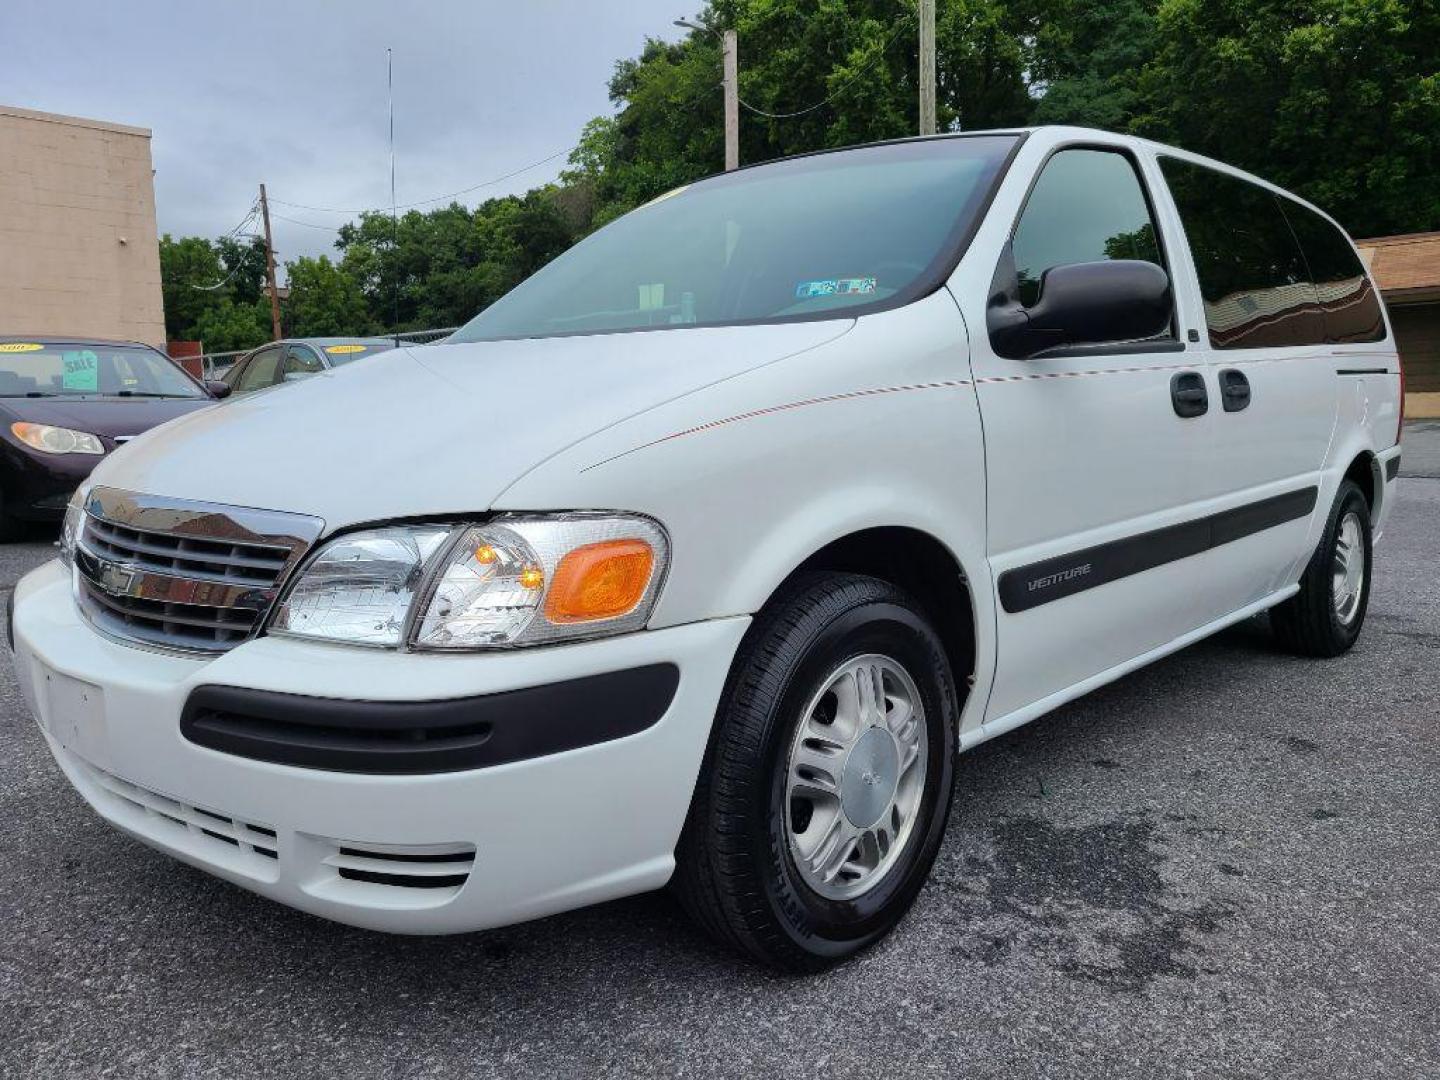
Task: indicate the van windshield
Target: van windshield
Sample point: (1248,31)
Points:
(830,235)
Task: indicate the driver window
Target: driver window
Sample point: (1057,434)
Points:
(1087,206)
(300,361)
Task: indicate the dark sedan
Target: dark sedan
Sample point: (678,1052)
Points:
(67,402)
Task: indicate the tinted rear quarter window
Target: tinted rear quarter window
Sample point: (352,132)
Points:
(1253,276)
(1348,299)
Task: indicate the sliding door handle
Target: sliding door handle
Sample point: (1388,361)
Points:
(1234,390)
(1188,394)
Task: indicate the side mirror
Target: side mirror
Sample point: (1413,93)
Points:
(218,390)
(1080,304)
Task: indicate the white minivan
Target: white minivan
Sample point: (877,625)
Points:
(699,556)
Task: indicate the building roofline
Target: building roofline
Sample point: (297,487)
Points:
(1401,238)
(73,121)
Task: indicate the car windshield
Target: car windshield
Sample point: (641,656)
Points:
(53,369)
(829,235)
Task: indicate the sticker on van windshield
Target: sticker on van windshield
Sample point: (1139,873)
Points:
(341,350)
(81,371)
(19,346)
(834,287)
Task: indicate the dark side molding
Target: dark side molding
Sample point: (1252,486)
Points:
(400,737)
(1027,587)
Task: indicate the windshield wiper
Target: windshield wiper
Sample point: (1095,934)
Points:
(32,393)
(150,393)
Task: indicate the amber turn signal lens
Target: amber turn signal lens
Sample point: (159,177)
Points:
(600,581)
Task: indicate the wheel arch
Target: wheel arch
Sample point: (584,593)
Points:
(1364,470)
(923,566)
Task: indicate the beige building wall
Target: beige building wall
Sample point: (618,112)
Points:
(78,250)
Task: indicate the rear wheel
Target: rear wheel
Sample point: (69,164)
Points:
(1324,618)
(823,798)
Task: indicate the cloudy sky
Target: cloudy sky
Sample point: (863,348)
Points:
(294,93)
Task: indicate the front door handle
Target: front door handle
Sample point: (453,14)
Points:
(1188,394)
(1234,390)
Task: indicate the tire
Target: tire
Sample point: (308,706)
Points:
(1324,618)
(740,871)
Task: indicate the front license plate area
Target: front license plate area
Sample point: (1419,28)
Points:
(74,715)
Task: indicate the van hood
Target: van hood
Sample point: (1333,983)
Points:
(437,429)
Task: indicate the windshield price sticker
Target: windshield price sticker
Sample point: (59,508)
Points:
(341,350)
(81,371)
(19,346)
(834,287)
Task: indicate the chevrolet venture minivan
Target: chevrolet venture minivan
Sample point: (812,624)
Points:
(697,557)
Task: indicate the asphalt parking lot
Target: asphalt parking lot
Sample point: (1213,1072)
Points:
(1224,865)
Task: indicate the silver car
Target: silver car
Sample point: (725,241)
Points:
(298,358)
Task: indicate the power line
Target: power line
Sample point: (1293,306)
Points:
(434,199)
(297,221)
(233,234)
(885,48)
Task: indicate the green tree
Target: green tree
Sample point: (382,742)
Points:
(441,267)
(1086,59)
(191,283)
(228,325)
(325,301)
(244,263)
(1338,100)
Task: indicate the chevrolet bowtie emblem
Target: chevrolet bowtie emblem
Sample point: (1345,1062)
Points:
(115,579)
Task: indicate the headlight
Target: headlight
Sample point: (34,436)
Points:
(361,586)
(517,580)
(56,440)
(70,530)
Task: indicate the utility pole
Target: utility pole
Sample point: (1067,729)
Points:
(730,50)
(927,67)
(270,267)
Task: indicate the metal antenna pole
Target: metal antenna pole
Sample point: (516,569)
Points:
(394,216)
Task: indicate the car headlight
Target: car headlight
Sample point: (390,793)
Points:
(56,440)
(516,580)
(70,530)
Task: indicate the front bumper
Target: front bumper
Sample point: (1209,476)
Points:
(512,841)
(38,486)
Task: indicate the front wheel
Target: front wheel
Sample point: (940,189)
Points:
(1324,618)
(825,790)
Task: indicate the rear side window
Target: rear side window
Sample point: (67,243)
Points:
(1351,308)
(260,371)
(1253,276)
(1086,206)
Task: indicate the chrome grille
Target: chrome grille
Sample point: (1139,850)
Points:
(175,574)
(209,560)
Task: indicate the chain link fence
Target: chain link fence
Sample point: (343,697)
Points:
(217,363)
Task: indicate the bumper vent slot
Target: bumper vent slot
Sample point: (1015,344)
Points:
(431,867)
(167,819)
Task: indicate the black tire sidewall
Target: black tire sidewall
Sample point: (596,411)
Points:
(1351,498)
(816,924)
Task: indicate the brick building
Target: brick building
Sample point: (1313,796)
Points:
(1407,270)
(78,249)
